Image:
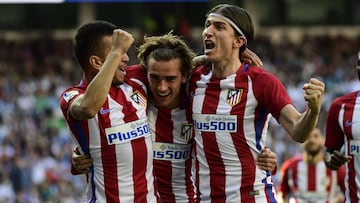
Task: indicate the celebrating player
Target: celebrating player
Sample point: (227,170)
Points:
(231,106)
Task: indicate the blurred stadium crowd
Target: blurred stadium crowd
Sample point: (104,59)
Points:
(35,144)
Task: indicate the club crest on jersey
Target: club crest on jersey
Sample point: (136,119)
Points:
(234,96)
(70,94)
(186,131)
(138,98)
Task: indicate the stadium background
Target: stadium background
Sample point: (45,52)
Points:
(296,39)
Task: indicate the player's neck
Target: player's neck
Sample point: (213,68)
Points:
(224,69)
(313,159)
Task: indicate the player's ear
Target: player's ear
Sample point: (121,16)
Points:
(239,41)
(95,61)
(184,77)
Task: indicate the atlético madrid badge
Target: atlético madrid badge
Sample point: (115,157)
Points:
(138,98)
(186,131)
(234,96)
(70,94)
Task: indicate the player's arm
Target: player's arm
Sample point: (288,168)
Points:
(334,157)
(300,125)
(88,104)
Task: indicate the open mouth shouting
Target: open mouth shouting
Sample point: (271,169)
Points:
(209,45)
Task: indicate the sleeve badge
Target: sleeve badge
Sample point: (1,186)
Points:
(70,94)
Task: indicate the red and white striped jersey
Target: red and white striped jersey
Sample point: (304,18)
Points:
(118,141)
(231,117)
(343,126)
(310,183)
(172,133)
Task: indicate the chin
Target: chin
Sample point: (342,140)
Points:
(161,104)
(117,82)
(314,152)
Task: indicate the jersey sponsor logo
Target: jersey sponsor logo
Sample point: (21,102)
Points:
(105,111)
(171,152)
(186,131)
(234,96)
(354,147)
(138,98)
(127,132)
(70,94)
(215,122)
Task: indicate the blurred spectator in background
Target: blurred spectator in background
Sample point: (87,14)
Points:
(305,178)
(7,193)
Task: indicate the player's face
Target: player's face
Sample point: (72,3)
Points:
(120,71)
(218,39)
(315,142)
(165,79)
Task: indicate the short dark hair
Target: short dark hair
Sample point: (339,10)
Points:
(88,40)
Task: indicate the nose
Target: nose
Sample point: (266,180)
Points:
(125,58)
(207,31)
(311,139)
(162,86)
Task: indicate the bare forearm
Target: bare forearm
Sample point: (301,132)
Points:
(303,127)
(299,126)
(99,87)
(88,104)
(314,91)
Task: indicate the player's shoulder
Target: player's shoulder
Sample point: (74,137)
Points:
(254,70)
(260,75)
(68,95)
(71,92)
(347,97)
(201,69)
(137,72)
(135,67)
(343,99)
(292,162)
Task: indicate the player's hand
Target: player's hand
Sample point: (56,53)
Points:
(249,57)
(121,40)
(314,91)
(334,160)
(267,160)
(200,60)
(81,162)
